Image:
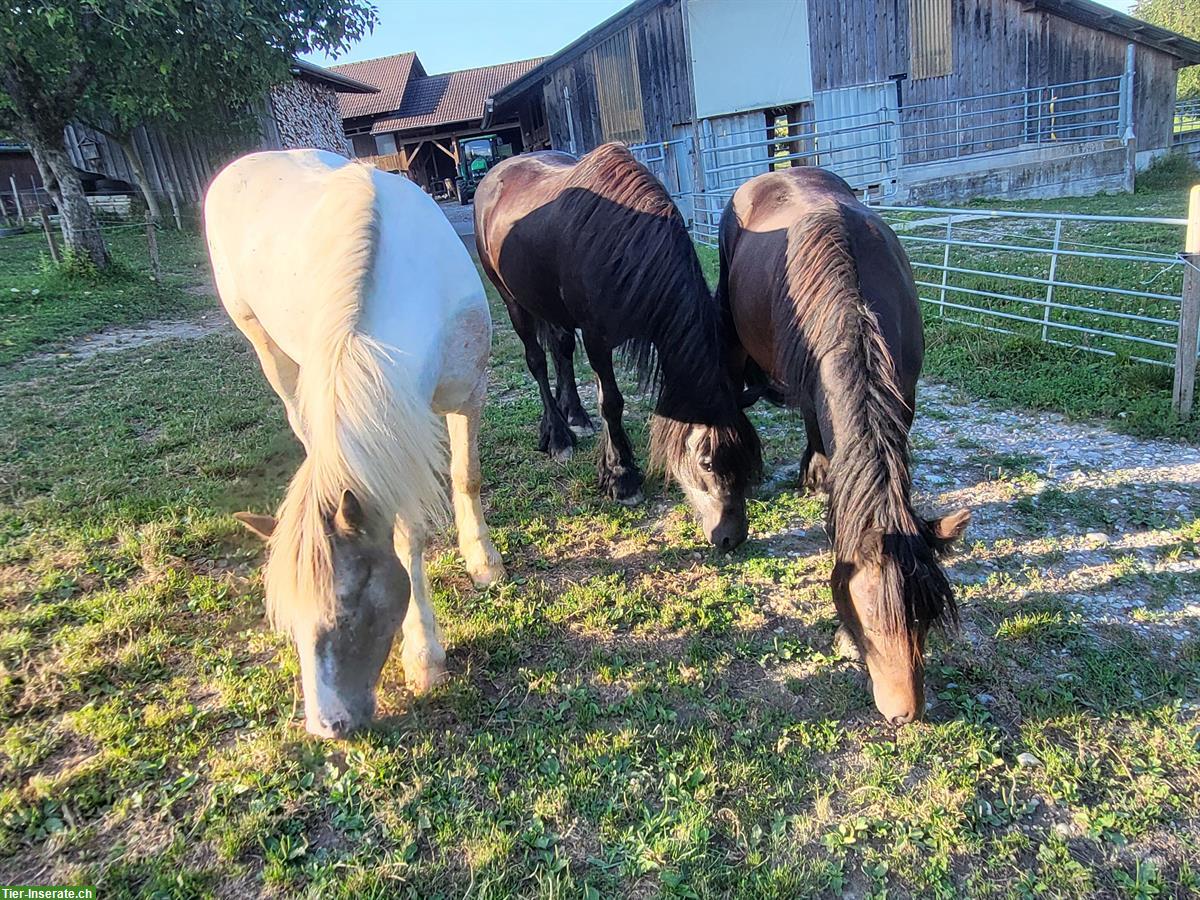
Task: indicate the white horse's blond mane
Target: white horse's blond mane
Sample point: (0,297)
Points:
(366,427)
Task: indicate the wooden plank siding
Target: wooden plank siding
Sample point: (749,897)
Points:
(657,48)
(994,47)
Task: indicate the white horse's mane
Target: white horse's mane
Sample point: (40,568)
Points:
(366,427)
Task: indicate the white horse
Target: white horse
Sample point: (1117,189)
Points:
(370,322)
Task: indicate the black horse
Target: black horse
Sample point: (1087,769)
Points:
(596,245)
(821,298)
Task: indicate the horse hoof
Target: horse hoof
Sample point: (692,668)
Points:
(486,570)
(421,679)
(585,430)
(632,500)
(562,454)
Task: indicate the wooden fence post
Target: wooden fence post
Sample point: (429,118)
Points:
(1189,313)
(152,248)
(49,232)
(175,211)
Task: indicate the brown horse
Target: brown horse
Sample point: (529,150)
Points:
(597,245)
(822,301)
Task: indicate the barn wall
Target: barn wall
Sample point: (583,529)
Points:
(662,76)
(182,162)
(856,42)
(997,46)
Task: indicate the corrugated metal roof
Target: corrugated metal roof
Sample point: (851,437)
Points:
(451,97)
(390,74)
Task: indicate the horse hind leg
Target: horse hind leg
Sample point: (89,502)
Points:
(422,654)
(566,390)
(474,538)
(555,436)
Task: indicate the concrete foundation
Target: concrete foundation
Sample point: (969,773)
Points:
(1048,171)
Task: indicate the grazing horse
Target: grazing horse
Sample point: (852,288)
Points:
(822,300)
(596,244)
(371,323)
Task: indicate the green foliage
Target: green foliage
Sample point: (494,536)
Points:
(121,63)
(1170,171)
(1183,17)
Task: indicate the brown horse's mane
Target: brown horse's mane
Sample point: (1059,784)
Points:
(829,339)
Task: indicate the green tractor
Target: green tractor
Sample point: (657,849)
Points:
(476,156)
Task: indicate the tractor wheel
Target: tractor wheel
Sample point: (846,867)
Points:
(461,191)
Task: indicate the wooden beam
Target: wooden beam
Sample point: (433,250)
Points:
(453,154)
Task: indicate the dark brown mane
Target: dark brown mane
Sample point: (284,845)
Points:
(827,331)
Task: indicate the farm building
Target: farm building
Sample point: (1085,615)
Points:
(918,100)
(421,124)
(302,112)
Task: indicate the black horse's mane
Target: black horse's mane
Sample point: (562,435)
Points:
(633,240)
(828,337)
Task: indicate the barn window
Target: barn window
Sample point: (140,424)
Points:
(794,122)
(619,90)
(364,145)
(930,50)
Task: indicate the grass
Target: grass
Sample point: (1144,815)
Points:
(629,715)
(43,308)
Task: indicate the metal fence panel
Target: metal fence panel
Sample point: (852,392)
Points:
(1105,284)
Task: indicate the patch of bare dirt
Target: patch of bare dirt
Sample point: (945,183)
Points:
(113,340)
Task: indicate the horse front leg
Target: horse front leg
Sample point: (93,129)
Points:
(555,436)
(620,476)
(422,654)
(814,465)
(566,391)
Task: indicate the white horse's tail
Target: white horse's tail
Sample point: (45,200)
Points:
(367,427)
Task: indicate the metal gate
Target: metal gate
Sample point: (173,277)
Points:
(671,163)
(850,132)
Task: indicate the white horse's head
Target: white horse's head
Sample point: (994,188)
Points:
(333,583)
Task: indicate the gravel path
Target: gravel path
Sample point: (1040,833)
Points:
(1063,510)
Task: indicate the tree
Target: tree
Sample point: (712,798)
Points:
(122,63)
(1183,17)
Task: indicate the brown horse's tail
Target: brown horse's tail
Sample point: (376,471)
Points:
(832,349)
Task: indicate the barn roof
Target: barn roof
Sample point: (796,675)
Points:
(451,97)
(340,83)
(389,74)
(1104,18)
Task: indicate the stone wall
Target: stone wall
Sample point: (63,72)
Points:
(307,115)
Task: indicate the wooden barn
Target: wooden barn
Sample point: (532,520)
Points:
(912,99)
(417,123)
(299,113)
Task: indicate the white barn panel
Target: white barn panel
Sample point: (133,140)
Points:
(749,54)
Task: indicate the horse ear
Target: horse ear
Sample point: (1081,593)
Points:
(948,529)
(261,526)
(350,517)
